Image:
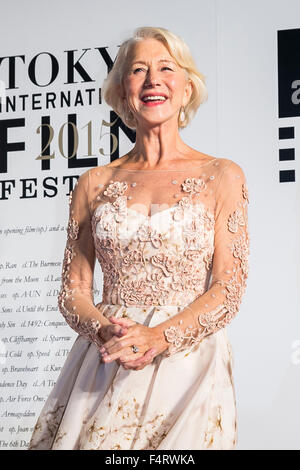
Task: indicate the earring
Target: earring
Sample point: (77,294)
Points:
(182,114)
(130,114)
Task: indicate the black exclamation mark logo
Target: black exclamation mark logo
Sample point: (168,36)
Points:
(286,154)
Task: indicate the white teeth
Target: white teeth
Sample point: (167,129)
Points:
(154,98)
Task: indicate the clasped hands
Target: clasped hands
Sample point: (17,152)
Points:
(122,334)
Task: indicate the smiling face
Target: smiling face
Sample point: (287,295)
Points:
(155,87)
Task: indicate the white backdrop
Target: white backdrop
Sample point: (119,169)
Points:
(235,45)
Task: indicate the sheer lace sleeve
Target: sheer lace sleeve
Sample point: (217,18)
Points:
(220,303)
(75,300)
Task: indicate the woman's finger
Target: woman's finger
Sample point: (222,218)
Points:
(111,343)
(122,321)
(120,330)
(121,348)
(130,357)
(118,342)
(108,331)
(116,356)
(116,329)
(147,358)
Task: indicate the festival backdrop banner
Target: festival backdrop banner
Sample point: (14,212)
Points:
(54,126)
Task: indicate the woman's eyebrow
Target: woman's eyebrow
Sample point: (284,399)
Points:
(161,60)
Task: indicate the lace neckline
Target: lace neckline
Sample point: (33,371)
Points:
(158,170)
(116,189)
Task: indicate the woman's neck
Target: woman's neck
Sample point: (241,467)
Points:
(157,146)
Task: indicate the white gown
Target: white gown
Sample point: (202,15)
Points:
(190,255)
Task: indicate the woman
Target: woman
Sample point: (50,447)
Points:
(152,365)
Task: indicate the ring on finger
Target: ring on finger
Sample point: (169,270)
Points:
(135,349)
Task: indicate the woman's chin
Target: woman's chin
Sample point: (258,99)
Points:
(154,121)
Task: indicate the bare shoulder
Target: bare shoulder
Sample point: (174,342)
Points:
(198,157)
(83,180)
(89,178)
(230,172)
(231,166)
(93,172)
(221,163)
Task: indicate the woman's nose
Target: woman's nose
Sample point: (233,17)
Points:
(152,78)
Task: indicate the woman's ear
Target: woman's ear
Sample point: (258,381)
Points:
(120,91)
(188,90)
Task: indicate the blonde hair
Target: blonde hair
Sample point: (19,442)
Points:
(177,48)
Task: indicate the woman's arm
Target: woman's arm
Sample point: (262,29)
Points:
(75,300)
(219,305)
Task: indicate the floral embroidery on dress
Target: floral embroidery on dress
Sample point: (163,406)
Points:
(181,340)
(223,313)
(150,274)
(193,185)
(73,229)
(149,234)
(90,328)
(235,220)
(128,419)
(116,188)
(245,192)
(214,427)
(46,427)
(165,266)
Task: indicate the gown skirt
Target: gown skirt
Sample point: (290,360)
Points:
(184,401)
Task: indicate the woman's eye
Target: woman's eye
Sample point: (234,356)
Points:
(167,68)
(137,70)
